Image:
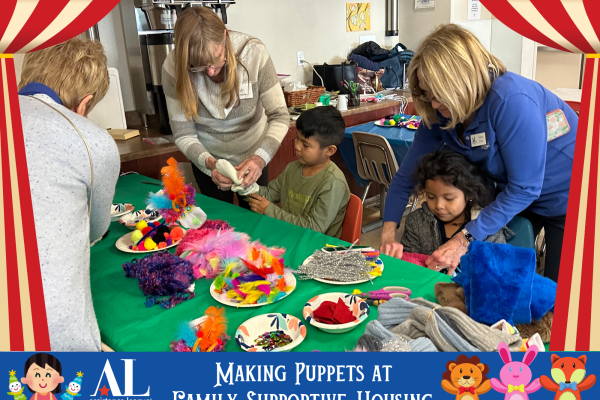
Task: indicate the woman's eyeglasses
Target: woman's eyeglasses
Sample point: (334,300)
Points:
(213,66)
(417,93)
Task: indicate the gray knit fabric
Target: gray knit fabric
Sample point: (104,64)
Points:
(422,344)
(448,328)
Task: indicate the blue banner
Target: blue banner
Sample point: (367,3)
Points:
(299,376)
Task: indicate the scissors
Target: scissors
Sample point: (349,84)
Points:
(387,293)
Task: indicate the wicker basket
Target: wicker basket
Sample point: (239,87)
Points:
(310,95)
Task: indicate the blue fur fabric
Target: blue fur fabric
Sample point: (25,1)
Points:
(500,282)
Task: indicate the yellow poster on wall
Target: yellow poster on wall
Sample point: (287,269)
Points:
(358,17)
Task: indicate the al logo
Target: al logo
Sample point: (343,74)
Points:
(113,385)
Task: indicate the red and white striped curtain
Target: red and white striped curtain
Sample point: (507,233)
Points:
(27,25)
(572,26)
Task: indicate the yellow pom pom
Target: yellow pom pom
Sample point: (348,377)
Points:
(149,244)
(356,291)
(136,236)
(392,122)
(141,225)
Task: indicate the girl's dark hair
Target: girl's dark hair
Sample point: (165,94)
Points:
(456,170)
(42,359)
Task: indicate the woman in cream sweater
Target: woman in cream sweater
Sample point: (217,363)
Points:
(224,102)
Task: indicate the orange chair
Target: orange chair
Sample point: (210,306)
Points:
(575,105)
(353,220)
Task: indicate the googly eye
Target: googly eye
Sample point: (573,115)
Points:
(521,369)
(188,208)
(509,369)
(183,214)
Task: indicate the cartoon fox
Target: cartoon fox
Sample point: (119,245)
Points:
(568,378)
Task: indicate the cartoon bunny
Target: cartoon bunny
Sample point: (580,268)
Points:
(515,376)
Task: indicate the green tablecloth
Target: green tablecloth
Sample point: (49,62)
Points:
(126,324)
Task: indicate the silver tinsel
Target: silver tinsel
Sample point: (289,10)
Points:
(348,267)
(395,345)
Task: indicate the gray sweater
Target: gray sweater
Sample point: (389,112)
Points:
(60,181)
(422,234)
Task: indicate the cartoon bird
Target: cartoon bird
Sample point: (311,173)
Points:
(568,378)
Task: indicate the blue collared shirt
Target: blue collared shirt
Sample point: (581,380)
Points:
(34,88)
(533,173)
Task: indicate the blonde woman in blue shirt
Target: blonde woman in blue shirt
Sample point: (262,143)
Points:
(513,129)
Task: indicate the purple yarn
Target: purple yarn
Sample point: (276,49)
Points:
(163,277)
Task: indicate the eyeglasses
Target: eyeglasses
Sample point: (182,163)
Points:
(204,68)
(419,94)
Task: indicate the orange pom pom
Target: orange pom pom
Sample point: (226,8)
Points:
(176,234)
(162,245)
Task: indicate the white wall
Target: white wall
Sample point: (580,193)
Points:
(316,27)
(110,29)
(416,24)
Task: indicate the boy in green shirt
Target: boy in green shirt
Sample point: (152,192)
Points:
(312,191)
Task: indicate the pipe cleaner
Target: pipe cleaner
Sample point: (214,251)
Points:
(206,334)
(164,278)
(176,201)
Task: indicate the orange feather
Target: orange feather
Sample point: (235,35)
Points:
(173,180)
(214,327)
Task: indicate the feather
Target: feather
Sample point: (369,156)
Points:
(212,329)
(186,333)
(174,181)
(156,201)
(252,297)
(237,246)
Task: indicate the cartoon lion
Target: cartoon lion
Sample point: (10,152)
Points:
(466,378)
(568,378)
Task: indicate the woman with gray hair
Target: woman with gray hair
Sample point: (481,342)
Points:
(73,167)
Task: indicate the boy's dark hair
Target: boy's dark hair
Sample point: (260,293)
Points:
(42,359)
(455,169)
(325,123)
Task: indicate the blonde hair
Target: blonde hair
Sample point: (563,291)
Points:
(73,69)
(197,31)
(458,71)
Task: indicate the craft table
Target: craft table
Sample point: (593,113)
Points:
(126,324)
(400,139)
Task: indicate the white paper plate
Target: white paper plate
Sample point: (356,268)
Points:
(344,283)
(128,219)
(378,123)
(217,296)
(115,216)
(125,241)
(251,329)
(359,307)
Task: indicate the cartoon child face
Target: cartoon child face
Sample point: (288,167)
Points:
(14,387)
(74,387)
(42,379)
